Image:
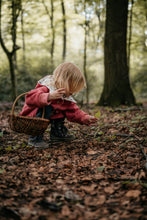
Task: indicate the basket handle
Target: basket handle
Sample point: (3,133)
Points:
(25,93)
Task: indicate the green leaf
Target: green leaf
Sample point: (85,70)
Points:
(23,144)
(100,133)
(47,155)
(129,182)
(9,148)
(1,134)
(132,130)
(98,139)
(144,185)
(2,170)
(16,146)
(98,114)
(126,182)
(100,169)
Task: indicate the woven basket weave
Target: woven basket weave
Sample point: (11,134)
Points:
(28,125)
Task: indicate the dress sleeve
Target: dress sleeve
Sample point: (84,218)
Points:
(38,97)
(74,114)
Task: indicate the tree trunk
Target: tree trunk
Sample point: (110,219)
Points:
(117,88)
(53,32)
(51,17)
(85,65)
(13,31)
(23,35)
(85,54)
(130,33)
(9,54)
(64,30)
(16,8)
(12,74)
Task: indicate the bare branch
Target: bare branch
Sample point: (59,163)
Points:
(46,8)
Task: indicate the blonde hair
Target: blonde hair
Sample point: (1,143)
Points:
(70,77)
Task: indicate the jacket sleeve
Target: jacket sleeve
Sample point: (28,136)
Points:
(74,114)
(38,97)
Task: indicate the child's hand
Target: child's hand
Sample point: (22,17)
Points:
(58,94)
(89,120)
(92,120)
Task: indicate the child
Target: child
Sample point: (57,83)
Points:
(54,92)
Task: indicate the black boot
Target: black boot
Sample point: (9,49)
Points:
(59,132)
(37,142)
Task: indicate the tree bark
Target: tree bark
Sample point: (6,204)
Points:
(23,35)
(10,54)
(64,30)
(13,77)
(13,31)
(85,54)
(130,33)
(53,32)
(117,88)
(16,8)
(51,17)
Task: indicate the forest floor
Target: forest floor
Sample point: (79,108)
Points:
(100,175)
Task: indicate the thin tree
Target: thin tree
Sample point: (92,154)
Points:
(130,33)
(86,27)
(117,88)
(64,29)
(50,14)
(100,11)
(23,34)
(15,5)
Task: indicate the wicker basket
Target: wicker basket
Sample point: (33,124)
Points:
(28,125)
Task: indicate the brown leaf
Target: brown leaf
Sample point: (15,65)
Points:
(131,160)
(64,163)
(133,193)
(71,196)
(99,176)
(101,199)
(89,201)
(89,189)
(65,211)
(109,189)
(41,169)
(91,152)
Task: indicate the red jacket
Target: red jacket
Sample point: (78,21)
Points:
(38,97)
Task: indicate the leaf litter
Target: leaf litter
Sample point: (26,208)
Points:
(100,175)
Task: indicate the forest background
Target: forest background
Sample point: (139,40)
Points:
(105,167)
(48,33)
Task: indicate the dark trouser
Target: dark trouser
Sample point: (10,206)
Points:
(48,111)
(58,130)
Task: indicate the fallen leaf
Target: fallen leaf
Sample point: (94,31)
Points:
(100,169)
(65,210)
(133,193)
(91,152)
(109,189)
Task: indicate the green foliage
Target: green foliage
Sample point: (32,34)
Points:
(5,86)
(139,83)
(37,36)
(25,80)
(27,77)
